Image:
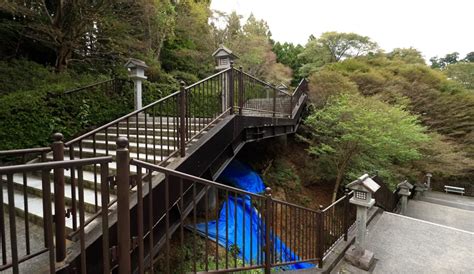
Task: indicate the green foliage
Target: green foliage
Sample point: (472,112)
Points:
(333,47)
(252,44)
(442,105)
(191,46)
(407,55)
(283,176)
(327,83)
(353,135)
(32,109)
(23,75)
(287,54)
(462,73)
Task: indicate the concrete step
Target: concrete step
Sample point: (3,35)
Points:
(159,119)
(122,130)
(89,153)
(35,208)
(142,148)
(34,186)
(142,138)
(164,123)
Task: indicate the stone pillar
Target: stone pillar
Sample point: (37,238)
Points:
(137,74)
(404,192)
(363,188)
(137,85)
(361,222)
(420,190)
(428,180)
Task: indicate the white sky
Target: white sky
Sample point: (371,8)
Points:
(435,27)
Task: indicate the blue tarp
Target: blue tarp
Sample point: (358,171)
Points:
(241,175)
(244,224)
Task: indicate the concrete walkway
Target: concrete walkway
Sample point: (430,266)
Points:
(440,214)
(406,245)
(452,200)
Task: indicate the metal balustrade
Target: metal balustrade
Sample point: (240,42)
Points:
(88,178)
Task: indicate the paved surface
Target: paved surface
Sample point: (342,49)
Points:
(36,244)
(406,245)
(452,200)
(440,214)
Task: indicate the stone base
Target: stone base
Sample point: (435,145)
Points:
(363,259)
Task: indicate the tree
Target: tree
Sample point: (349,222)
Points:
(287,54)
(407,55)
(442,63)
(334,47)
(252,44)
(462,73)
(469,57)
(100,32)
(353,135)
(60,25)
(190,48)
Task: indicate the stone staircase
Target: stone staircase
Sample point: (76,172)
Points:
(152,147)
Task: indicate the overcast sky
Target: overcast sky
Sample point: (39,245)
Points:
(435,27)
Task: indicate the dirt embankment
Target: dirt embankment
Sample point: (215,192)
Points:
(289,171)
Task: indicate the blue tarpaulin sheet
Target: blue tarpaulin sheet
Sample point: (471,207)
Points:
(245,231)
(241,175)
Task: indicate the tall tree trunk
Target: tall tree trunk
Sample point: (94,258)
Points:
(337,185)
(62,55)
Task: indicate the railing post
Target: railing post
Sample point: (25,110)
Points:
(182,119)
(123,202)
(241,89)
(274,101)
(231,87)
(346,214)
(290,112)
(268,228)
(59,205)
(320,236)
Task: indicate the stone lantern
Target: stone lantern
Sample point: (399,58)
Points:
(283,87)
(137,74)
(404,192)
(364,188)
(224,57)
(428,180)
(224,60)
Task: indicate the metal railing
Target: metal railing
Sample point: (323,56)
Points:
(384,197)
(286,233)
(155,134)
(53,226)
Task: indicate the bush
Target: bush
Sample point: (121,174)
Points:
(22,75)
(28,118)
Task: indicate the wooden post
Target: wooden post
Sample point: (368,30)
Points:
(268,228)
(182,119)
(123,203)
(59,205)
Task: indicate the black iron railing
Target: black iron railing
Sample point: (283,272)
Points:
(385,198)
